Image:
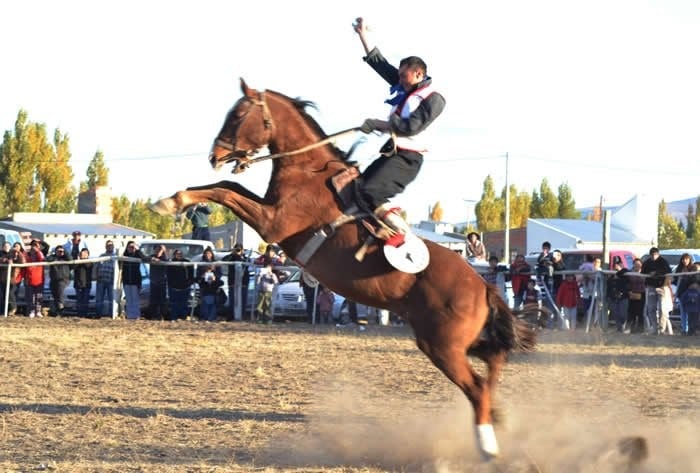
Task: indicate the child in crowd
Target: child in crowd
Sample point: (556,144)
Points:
(531,294)
(326,298)
(82,281)
(266,282)
(665,306)
(568,297)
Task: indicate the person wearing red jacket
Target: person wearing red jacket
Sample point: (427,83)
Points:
(568,297)
(34,279)
(520,274)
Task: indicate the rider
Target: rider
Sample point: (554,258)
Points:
(414,107)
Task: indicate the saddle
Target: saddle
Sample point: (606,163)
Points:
(409,256)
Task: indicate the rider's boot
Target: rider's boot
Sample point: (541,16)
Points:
(391,216)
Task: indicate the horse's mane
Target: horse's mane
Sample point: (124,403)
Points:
(301,105)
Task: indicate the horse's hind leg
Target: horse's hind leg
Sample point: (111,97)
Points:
(495,363)
(449,355)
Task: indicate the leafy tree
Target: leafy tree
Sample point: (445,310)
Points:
(690,218)
(535,205)
(489,210)
(437,212)
(671,235)
(54,175)
(20,154)
(519,207)
(34,171)
(567,204)
(693,230)
(221,215)
(97,171)
(121,208)
(550,203)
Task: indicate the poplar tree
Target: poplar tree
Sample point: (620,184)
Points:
(19,158)
(35,174)
(436,213)
(671,235)
(97,171)
(489,210)
(55,177)
(567,204)
(519,207)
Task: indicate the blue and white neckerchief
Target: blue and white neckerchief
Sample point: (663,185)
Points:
(398,93)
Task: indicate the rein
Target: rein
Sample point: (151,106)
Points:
(242,166)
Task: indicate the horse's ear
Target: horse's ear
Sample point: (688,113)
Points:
(247,91)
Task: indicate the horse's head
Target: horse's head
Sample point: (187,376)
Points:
(248,128)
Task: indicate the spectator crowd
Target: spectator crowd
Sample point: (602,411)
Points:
(638,300)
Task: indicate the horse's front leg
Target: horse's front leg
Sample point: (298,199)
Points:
(246,205)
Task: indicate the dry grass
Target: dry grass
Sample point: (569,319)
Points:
(119,396)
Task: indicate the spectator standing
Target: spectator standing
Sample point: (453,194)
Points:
(75,244)
(82,281)
(266,283)
(34,280)
(556,264)
(17,256)
(544,265)
(568,298)
(199,216)
(326,299)
(685,265)
(132,279)
(180,279)
(209,280)
(656,267)
(308,285)
(59,277)
(587,282)
(475,248)
(105,304)
(635,320)
(158,300)
(519,277)
(618,294)
(237,256)
(691,300)
(4,260)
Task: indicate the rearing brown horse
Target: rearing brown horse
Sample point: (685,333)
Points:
(451,310)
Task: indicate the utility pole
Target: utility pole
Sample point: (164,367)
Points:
(506,239)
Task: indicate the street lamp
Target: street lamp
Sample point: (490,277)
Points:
(471,202)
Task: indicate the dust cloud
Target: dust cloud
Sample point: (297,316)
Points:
(548,431)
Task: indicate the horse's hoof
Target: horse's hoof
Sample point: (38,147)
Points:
(164,207)
(634,448)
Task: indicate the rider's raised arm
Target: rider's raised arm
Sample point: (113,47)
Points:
(363,32)
(373,57)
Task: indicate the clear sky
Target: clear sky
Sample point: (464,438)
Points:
(602,95)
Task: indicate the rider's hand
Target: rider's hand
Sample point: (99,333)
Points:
(359,26)
(372,124)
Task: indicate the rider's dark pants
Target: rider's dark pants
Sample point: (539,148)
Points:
(388,176)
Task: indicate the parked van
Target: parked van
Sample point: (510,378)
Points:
(575,257)
(10,236)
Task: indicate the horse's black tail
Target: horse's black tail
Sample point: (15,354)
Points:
(503,329)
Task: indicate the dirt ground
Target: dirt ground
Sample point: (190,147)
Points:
(138,396)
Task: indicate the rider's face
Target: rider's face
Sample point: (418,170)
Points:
(409,77)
